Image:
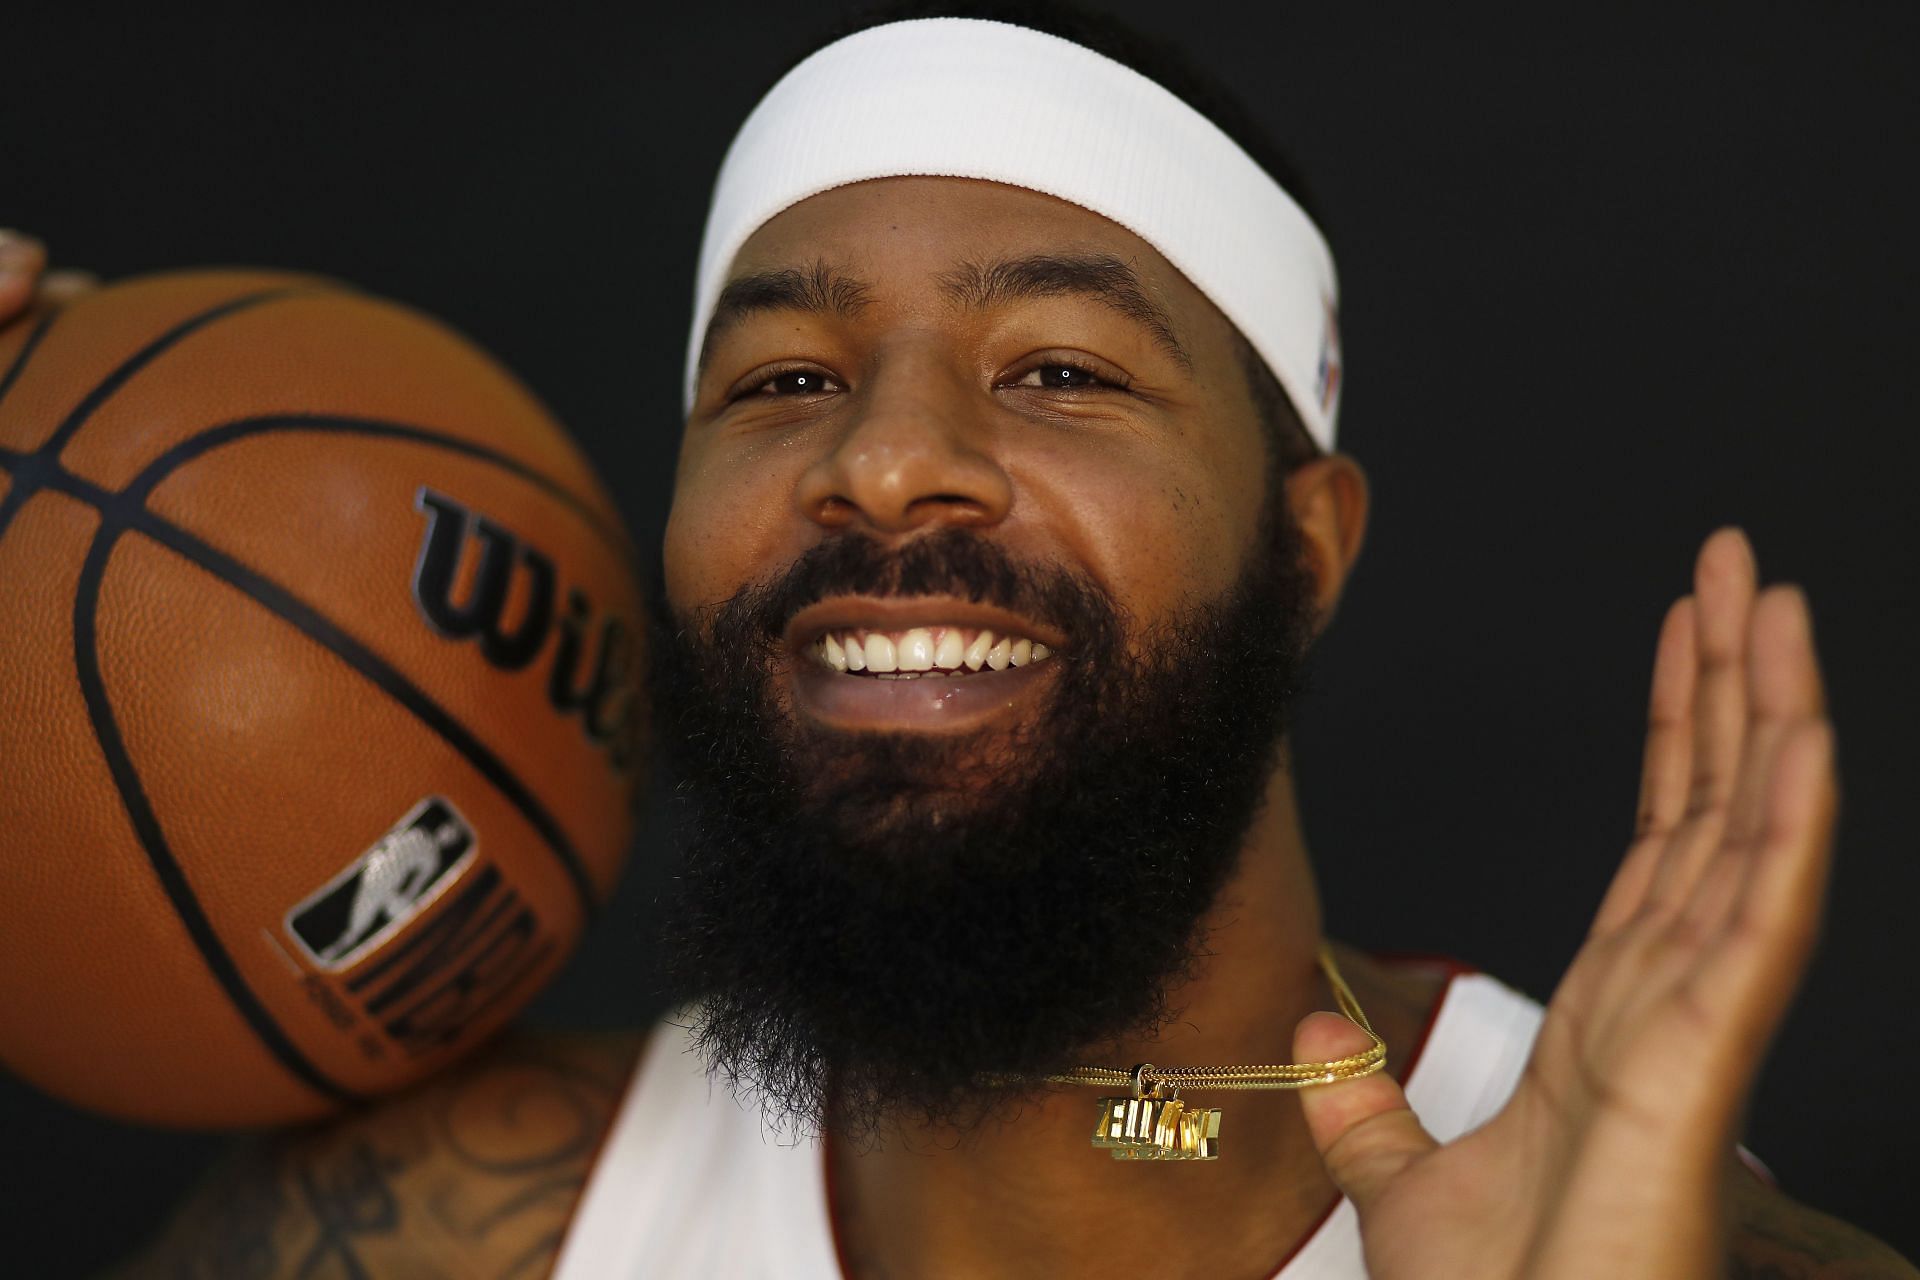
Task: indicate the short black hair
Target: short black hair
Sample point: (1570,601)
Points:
(1288,444)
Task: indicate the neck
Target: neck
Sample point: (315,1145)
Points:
(1052,1199)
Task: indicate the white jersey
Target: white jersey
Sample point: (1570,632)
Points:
(690,1185)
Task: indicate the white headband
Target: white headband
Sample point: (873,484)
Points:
(969,98)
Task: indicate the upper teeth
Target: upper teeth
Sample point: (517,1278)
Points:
(940,648)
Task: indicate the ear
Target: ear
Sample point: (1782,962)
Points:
(1329,500)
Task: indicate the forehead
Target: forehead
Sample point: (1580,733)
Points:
(907,231)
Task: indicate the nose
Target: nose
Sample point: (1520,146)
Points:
(909,456)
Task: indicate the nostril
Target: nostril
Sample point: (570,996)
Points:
(957,508)
(835,511)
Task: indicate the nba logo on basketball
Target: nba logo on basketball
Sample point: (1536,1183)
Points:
(384,887)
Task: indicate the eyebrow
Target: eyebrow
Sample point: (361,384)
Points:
(824,289)
(1098,277)
(820,288)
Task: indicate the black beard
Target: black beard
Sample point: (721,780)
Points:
(878,921)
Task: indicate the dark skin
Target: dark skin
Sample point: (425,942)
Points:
(908,399)
(473,1177)
(397,1192)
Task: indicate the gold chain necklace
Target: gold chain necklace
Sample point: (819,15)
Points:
(1156,1124)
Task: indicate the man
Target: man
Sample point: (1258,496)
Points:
(1007,509)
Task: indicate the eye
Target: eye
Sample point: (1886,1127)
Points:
(1059,374)
(788,382)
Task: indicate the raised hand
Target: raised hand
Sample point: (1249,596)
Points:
(1611,1157)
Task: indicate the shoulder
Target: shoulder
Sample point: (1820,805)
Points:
(1776,1238)
(473,1173)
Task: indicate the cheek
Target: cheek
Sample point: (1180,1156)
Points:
(1159,530)
(731,514)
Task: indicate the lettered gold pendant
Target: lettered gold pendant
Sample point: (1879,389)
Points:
(1157,1129)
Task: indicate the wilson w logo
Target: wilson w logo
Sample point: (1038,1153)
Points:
(502,567)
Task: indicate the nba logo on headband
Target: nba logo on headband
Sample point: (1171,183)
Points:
(1327,380)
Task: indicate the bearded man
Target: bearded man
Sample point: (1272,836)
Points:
(1008,509)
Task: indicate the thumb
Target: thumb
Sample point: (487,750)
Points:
(1364,1130)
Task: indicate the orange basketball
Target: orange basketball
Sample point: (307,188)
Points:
(320,728)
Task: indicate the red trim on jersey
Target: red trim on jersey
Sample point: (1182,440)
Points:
(1757,1167)
(1453,969)
(1311,1233)
(833,1205)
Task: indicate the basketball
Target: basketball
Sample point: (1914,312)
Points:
(320,717)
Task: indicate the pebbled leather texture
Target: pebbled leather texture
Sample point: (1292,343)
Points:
(220,697)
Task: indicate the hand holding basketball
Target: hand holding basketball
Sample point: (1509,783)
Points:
(25,280)
(321,668)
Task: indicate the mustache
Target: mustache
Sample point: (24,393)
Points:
(950,561)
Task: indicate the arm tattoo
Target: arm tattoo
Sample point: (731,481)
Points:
(236,1235)
(1776,1239)
(474,1175)
(350,1198)
(524,1136)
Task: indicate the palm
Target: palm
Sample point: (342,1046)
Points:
(1609,1158)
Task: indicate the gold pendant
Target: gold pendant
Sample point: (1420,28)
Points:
(1154,1124)
(1152,1127)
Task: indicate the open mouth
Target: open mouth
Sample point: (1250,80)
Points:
(925,663)
(925,651)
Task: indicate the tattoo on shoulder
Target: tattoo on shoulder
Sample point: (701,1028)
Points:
(522,1138)
(235,1234)
(475,1174)
(348,1198)
(1775,1238)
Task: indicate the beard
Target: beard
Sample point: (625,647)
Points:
(900,928)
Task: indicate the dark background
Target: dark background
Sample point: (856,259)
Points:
(1611,278)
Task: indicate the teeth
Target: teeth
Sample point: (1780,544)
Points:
(947,656)
(906,654)
(915,651)
(976,654)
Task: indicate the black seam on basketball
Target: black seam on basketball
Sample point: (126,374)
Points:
(60,480)
(26,353)
(146,355)
(34,469)
(127,507)
(146,825)
(323,631)
(613,535)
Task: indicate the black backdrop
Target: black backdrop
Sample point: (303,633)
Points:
(1611,278)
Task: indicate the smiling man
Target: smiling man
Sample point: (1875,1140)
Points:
(1008,508)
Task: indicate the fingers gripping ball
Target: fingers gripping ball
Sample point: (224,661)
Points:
(319,660)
